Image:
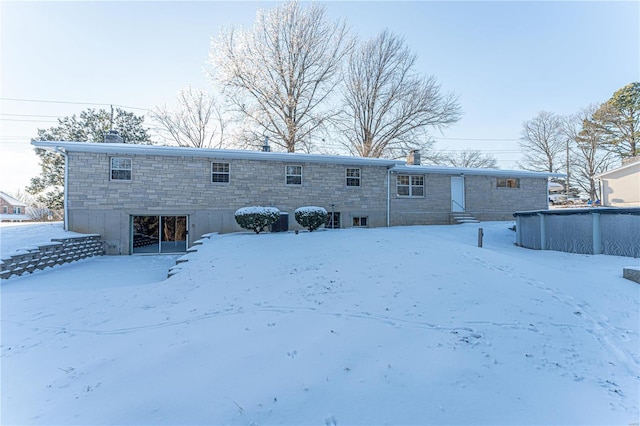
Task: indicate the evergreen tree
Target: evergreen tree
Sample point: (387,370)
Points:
(619,120)
(90,126)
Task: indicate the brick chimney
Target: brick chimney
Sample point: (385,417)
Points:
(112,136)
(413,159)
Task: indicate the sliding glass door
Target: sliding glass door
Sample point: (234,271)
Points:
(159,234)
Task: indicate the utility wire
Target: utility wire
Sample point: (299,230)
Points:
(477,139)
(34,121)
(29,115)
(69,102)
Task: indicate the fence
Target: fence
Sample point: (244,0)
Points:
(613,231)
(57,252)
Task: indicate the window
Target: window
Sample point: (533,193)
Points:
(353,177)
(220,172)
(293,175)
(333,220)
(508,183)
(359,222)
(5,209)
(120,168)
(17,210)
(410,186)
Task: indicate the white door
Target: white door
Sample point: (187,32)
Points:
(457,194)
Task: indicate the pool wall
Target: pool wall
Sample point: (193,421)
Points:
(613,231)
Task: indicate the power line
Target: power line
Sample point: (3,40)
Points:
(70,102)
(34,121)
(478,139)
(29,115)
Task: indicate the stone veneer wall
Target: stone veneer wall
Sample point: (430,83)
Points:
(58,252)
(182,186)
(165,185)
(483,200)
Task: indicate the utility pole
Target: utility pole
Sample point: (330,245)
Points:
(567,182)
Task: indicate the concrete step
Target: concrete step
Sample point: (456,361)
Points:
(462,217)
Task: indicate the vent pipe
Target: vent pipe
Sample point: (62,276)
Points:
(266,147)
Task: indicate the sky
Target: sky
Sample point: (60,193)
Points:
(506,61)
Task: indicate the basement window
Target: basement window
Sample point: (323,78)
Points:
(360,222)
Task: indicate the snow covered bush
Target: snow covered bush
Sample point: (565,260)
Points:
(311,217)
(256,218)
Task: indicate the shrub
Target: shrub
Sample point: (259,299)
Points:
(311,217)
(256,218)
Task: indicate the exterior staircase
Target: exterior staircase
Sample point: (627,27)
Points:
(462,217)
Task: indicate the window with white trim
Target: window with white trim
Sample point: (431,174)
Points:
(5,209)
(410,186)
(353,177)
(17,210)
(360,222)
(293,175)
(220,172)
(120,168)
(508,183)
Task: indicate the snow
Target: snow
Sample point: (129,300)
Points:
(310,210)
(245,211)
(15,237)
(405,325)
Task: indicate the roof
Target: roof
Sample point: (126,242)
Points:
(175,151)
(10,200)
(398,166)
(472,172)
(616,170)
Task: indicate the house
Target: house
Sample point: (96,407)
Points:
(145,198)
(620,187)
(12,210)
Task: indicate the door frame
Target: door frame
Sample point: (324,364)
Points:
(457,194)
(159,216)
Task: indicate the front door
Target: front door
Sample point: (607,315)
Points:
(159,234)
(457,194)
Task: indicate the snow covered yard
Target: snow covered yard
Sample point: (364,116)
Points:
(407,325)
(20,235)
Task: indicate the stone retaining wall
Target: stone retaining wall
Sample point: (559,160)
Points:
(57,252)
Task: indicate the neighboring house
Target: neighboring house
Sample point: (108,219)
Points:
(144,198)
(621,187)
(12,210)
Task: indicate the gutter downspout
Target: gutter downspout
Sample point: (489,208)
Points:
(66,186)
(388,197)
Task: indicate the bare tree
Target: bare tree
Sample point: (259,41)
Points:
(197,121)
(588,156)
(470,158)
(386,102)
(280,73)
(543,142)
